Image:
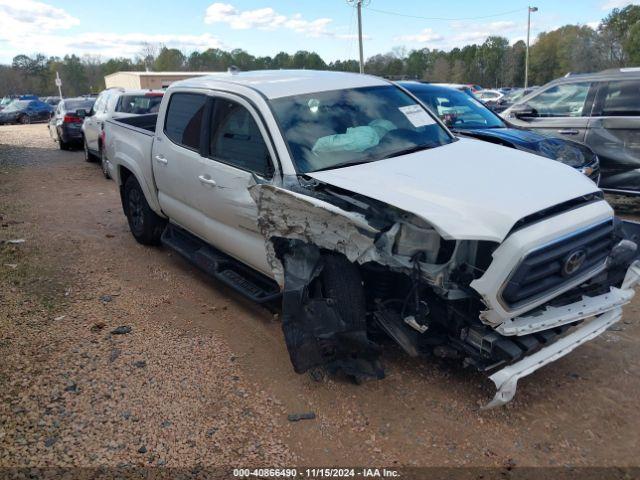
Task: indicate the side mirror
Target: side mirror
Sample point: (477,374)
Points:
(81,112)
(522,110)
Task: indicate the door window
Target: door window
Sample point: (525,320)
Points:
(566,100)
(236,138)
(622,99)
(184,119)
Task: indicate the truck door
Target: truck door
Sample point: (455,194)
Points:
(176,159)
(614,134)
(236,152)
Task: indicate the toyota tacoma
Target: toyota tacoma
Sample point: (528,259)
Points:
(342,197)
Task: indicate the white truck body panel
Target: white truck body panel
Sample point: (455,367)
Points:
(455,187)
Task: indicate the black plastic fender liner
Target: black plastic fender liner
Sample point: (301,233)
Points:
(314,332)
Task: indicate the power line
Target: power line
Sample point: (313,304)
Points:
(442,18)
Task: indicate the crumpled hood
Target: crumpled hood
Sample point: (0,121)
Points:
(545,145)
(468,189)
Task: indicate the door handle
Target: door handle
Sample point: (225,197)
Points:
(568,132)
(207,181)
(161,159)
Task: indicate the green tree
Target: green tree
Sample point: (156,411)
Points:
(494,52)
(169,60)
(614,32)
(632,45)
(418,62)
(307,60)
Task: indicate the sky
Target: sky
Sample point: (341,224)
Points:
(115,28)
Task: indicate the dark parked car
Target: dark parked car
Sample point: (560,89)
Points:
(601,110)
(53,101)
(25,111)
(466,116)
(65,125)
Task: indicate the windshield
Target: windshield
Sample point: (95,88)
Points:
(17,105)
(457,109)
(6,101)
(73,105)
(516,95)
(332,129)
(139,104)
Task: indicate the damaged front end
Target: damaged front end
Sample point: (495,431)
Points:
(352,268)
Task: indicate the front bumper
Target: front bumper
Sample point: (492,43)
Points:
(605,310)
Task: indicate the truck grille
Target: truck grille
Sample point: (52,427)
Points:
(552,266)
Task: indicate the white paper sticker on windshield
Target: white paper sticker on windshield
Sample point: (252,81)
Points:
(416,115)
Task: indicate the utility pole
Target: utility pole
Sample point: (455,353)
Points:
(358,4)
(526,56)
(360,35)
(59,84)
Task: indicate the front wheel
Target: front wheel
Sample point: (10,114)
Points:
(25,119)
(145,225)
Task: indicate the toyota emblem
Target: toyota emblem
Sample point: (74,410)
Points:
(573,262)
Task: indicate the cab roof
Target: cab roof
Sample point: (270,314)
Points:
(283,83)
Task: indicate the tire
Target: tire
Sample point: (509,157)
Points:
(340,280)
(62,144)
(25,119)
(103,164)
(88,156)
(145,225)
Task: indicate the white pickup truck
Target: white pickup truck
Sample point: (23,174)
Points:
(342,196)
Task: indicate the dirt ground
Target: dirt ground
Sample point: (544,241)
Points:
(203,376)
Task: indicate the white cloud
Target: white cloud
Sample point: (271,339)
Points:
(425,36)
(462,33)
(266,19)
(31,26)
(609,4)
(111,44)
(106,44)
(27,16)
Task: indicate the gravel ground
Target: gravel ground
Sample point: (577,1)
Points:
(203,377)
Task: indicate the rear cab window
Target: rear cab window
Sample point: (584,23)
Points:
(139,104)
(183,120)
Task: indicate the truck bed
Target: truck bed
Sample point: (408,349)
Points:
(141,122)
(129,144)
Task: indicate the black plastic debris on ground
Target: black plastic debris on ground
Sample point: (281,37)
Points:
(296,417)
(121,330)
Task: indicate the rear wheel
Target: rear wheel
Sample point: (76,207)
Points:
(62,144)
(104,165)
(25,119)
(145,225)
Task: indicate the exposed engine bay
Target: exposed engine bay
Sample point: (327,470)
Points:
(326,245)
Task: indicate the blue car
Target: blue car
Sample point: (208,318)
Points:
(466,116)
(26,111)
